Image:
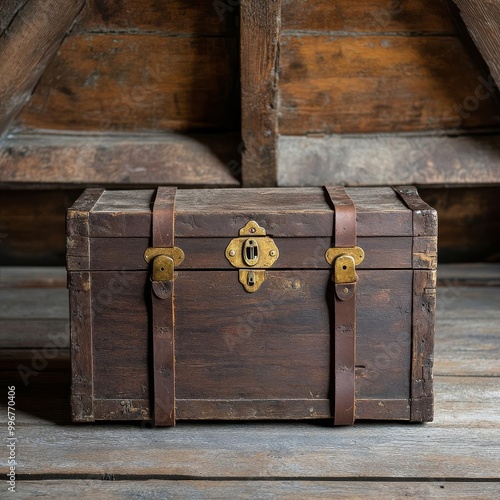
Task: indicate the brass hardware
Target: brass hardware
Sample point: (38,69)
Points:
(345,261)
(252,249)
(356,252)
(176,254)
(251,280)
(345,269)
(163,268)
(258,250)
(251,228)
(164,262)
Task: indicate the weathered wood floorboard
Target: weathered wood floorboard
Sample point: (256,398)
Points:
(182,489)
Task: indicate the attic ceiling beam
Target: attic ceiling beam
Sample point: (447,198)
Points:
(482,18)
(27,46)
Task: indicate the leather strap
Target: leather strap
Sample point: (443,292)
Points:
(162,299)
(344,309)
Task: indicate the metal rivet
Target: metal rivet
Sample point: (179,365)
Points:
(122,403)
(346,290)
(272,253)
(252,230)
(232,253)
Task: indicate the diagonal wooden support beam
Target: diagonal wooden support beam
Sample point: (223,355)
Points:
(260,22)
(27,46)
(482,18)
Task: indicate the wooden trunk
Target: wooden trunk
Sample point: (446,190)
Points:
(241,355)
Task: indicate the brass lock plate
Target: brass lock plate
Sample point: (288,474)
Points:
(164,262)
(356,253)
(251,280)
(253,249)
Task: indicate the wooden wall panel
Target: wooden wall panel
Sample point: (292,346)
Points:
(351,84)
(165,16)
(128,82)
(402,16)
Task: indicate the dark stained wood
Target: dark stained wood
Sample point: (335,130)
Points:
(352,84)
(77,229)
(109,254)
(425,222)
(123,82)
(282,212)
(424,319)
(260,22)
(82,362)
(120,329)
(390,159)
(295,409)
(8,11)
(194,17)
(249,351)
(199,160)
(26,48)
(483,21)
(239,336)
(375,16)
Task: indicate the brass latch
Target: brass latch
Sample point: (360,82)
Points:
(253,249)
(345,261)
(164,262)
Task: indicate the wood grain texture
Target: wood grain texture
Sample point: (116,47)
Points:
(389,159)
(109,254)
(71,160)
(32,277)
(262,451)
(372,16)
(482,19)
(9,9)
(26,48)
(248,349)
(196,17)
(292,490)
(260,22)
(215,213)
(425,222)
(82,362)
(120,82)
(352,84)
(424,320)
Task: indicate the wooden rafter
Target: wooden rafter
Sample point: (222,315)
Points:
(27,46)
(482,18)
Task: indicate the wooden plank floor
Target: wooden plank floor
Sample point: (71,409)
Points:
(456,456)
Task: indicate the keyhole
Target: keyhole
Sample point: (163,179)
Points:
(251,252)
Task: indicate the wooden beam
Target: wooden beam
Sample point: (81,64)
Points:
(378,160)
(259,52)
(73,160)
(8,9)
(26,47)
(482,18)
